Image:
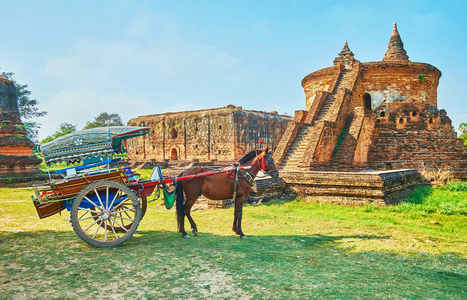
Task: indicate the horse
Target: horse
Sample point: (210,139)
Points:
(221,186)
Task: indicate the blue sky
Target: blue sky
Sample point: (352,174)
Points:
(134,58)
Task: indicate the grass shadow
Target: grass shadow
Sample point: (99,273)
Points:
(418,195)
(233,242)
(262,266)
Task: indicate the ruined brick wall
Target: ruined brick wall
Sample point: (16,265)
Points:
(410,131)
(408,136)
(388,82)
(223,134)
(253,126)
(319,81)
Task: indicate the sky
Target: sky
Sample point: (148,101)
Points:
(81,58)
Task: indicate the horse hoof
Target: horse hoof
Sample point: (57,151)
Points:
(185,236)
(195,232)
(243,237)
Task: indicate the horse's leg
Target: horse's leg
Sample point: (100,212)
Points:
(234,226)
(181,212)
(180,206)
(181,225)
(238,216)
(188,215)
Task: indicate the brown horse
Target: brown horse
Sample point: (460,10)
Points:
(221,187)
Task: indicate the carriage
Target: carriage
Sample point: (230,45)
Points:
(106,201)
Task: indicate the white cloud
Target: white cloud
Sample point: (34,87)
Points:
(150,69)
(151,45)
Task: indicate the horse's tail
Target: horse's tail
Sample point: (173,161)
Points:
(180,204)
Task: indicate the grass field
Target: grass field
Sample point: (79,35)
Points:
(414,250)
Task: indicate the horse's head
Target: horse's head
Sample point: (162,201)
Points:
(268,165)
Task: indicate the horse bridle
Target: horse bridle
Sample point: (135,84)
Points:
(267,157)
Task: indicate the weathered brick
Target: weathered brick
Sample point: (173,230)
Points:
(222,135)
(16,157)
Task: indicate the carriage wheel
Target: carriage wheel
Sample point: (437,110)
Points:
(105,214)
(123,215)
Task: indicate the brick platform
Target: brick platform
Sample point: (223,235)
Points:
(353,188)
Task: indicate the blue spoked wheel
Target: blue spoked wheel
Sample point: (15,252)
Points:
(105,214)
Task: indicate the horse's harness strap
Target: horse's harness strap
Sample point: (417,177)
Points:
(237,168)
(248,177)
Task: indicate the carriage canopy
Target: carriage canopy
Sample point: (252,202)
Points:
(96,142)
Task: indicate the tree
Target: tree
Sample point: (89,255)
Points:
(27,108)
(463,130)
(63,129)
(463,127)
(104,119)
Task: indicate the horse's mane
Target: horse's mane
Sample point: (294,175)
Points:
(249,156)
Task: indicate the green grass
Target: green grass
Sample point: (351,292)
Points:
(295,249)
(144,173)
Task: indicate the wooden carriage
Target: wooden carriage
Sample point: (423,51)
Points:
(106,201)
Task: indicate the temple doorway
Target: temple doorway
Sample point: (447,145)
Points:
(367,101)
(174,155)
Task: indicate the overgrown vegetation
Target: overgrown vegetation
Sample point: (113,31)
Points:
(295,249)
(340,140)
(438,176)
(463,130)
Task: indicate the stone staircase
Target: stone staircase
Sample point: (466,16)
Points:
(326,110)
(297,149)
(312,138)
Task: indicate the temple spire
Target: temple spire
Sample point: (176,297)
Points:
(345,57)
(395,47)
(345,50)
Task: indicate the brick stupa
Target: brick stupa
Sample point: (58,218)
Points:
(16,157)
(379,115)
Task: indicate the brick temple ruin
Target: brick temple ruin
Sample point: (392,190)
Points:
(220,135)
(368,116)
(17,161)
(367,131)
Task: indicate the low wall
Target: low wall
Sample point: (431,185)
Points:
(353,188)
